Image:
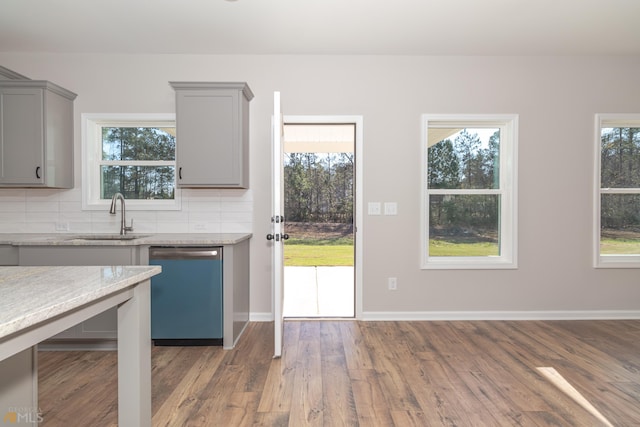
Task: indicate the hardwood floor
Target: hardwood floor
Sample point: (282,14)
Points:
(349,373)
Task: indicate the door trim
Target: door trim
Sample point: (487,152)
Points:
(359,214)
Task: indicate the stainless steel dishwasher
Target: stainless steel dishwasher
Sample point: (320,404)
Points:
(186,298)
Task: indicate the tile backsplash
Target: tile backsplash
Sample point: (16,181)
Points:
(60,211)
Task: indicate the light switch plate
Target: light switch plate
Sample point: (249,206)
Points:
(374,208)
(390,208)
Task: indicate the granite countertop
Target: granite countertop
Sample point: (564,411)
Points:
(87,239)
(31,295)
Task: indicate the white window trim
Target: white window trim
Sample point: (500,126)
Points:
(508,123)
(92,153)
(609,261)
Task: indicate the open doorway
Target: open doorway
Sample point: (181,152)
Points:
(319,207)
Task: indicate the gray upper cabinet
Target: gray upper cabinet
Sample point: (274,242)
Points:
(7,74)
(212,142)
(36,134)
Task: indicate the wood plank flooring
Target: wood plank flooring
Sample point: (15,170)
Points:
(349,373)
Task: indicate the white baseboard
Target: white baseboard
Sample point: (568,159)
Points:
(483,315)
(79,345)
(261,317)
(501,315)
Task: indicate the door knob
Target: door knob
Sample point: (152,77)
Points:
(277,237)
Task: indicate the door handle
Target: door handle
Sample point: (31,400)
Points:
(180,173)
(38,172)
(277,237)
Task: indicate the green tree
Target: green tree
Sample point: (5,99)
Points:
(443,168)
(297,188)
(620,168)
(467,145)
(491,162)
(464,164)
(319,187)
(141,144)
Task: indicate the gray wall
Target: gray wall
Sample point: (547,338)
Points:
(556,99)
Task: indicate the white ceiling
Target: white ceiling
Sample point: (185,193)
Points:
(397,27)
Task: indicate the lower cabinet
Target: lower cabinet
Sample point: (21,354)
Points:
(8,255)
(101,331)
(104,326)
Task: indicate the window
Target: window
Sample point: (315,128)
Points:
(132,154)
(469,191)
(617,200)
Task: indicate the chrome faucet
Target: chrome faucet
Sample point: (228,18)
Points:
(123,221)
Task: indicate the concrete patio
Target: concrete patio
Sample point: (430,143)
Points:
(318,292)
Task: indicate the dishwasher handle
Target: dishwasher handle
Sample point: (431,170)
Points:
(184,253)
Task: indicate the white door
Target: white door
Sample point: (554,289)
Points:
(277,235)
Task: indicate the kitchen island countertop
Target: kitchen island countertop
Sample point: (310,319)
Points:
(39,302)
(31,295)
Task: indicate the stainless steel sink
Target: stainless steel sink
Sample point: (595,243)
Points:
(107,237)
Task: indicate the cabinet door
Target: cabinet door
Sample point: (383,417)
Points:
(209,138)
(105,324)
(8,255)
(21,136)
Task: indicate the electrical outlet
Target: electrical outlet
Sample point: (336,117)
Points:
(62,226)
(393,283)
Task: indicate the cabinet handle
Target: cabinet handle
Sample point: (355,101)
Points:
(180,173)
(38,172)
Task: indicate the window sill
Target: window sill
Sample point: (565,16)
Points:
(618,261)
(468,263)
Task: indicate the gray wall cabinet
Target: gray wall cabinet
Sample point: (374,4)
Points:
(36,134)
(212,125)
(7,74)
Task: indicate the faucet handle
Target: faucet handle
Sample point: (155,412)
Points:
(130,228)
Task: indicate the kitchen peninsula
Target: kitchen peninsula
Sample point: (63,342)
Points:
(39,302)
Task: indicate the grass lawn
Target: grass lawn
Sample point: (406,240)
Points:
(445,248)
(340,252)
(619,246)
(308,252)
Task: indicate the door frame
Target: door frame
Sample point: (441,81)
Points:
(359,204)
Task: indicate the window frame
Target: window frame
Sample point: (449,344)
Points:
(609,260)
(508,258)
(92,123)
